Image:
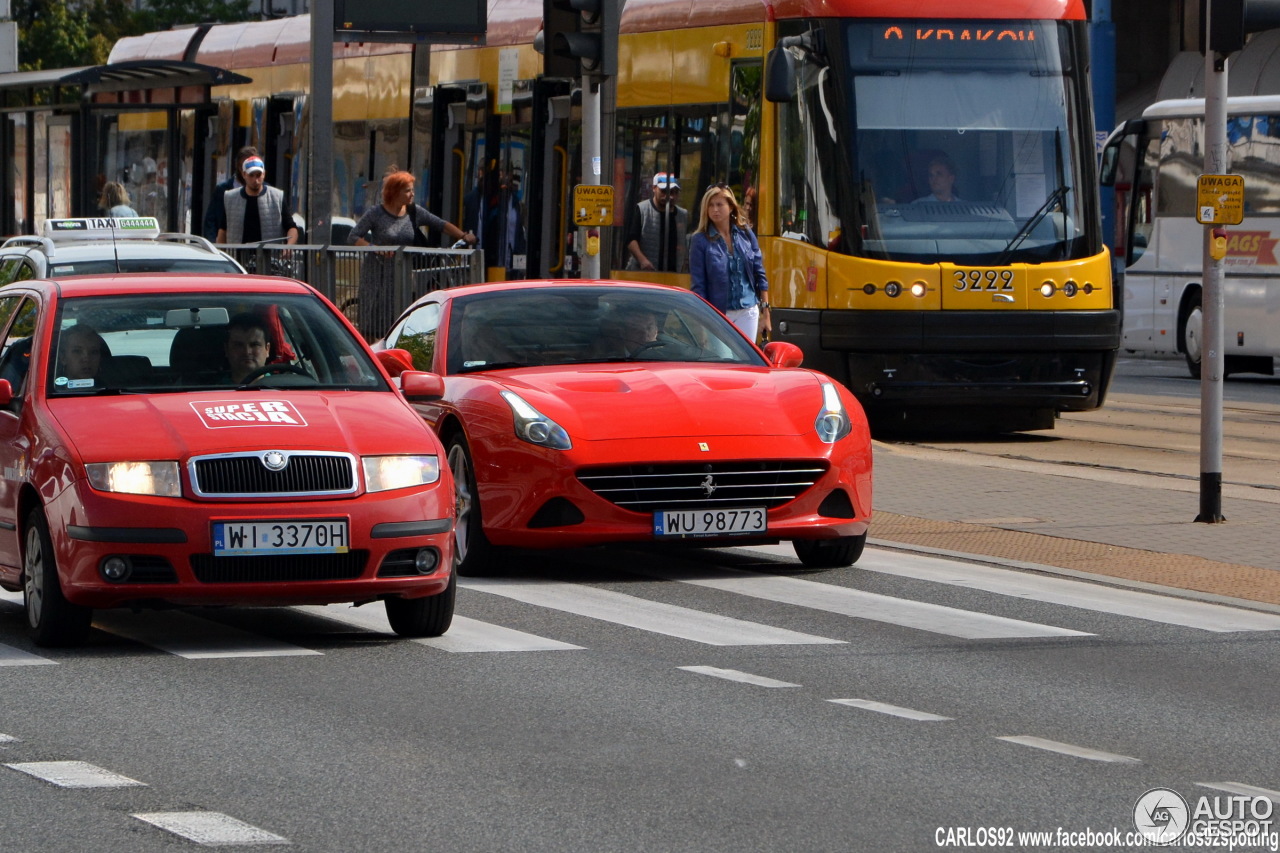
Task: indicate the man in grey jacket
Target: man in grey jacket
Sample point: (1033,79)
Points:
(657,230)
(256,212)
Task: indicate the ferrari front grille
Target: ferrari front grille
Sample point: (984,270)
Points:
(273,473)
(649,488)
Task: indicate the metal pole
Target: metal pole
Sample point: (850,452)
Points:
(591,168)
(1211,356)
(320,142)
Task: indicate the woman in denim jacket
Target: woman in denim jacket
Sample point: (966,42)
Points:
(727,265)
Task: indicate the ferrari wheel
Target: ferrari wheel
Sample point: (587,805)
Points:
(830,553)
(53,620)
(423,617)
(473,554)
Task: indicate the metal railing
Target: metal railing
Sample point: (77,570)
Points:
(335,270)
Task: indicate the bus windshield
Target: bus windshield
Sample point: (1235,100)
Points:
(966,142)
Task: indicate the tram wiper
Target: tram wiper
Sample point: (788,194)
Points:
(1034,220)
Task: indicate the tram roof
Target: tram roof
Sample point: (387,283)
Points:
(288,40)
(124,76)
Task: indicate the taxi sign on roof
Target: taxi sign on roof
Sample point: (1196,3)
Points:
(102,227)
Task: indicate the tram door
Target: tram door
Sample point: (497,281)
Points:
(510,216)
(461,159)
(547,181)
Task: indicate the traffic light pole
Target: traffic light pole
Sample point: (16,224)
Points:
(591,170)
(1212,358)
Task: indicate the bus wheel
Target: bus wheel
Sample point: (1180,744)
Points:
(1193,336)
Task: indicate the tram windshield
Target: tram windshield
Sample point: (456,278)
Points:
(967,142)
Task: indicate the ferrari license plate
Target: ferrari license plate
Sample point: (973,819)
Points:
(675,523)
(281,536)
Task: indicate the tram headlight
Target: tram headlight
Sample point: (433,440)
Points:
(1070,288)
(833,421)
(893,289)
(919,289)
(1048,289)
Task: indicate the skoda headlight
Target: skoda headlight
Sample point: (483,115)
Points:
(383,473)
(535,427)
(136,478)
(833,421)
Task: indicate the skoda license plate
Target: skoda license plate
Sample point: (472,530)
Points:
(675,523)
(281,536)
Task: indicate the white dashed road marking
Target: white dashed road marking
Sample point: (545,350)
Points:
(191,637)
(1242,789)
(75,774)
(1072,593)
(1069,749)
(868,605)
(9,656)
(735,675)
(667,619)
(892,710)
(210,828)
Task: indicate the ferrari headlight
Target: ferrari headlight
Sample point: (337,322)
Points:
(384,473)
(136,478)
(833,421)
(535,427)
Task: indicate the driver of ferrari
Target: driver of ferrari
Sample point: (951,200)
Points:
(627,330)
(248,345)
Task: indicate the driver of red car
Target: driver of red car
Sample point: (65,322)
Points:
(248,345)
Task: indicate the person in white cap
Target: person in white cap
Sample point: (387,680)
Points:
(267,218)
(656,231)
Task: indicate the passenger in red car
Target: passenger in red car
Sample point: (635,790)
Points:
(80,352)
(248,345)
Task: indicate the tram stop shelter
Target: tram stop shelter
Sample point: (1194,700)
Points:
(141,123)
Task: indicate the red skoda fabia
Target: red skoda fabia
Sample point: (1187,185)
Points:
(179,439)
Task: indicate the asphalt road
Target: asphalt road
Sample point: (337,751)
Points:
(720,700)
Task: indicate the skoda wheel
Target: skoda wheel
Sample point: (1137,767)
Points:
(53,620)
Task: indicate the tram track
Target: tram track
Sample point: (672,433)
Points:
(1150,439)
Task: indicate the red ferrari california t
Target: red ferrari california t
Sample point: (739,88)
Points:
(588,413)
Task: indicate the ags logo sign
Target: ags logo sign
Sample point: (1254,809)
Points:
(217,414)
(1251,248)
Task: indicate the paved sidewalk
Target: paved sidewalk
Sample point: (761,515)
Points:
(1135,528)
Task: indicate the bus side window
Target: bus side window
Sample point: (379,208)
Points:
(1143,213)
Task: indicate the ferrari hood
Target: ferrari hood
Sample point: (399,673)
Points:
(178,426)
(654,401)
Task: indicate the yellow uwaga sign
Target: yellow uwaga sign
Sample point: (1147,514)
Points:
(592,205)
(1220,200)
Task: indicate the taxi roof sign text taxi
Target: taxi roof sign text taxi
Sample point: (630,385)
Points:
(102,228)
(1220,200)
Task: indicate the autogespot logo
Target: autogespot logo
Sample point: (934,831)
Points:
(1161,815)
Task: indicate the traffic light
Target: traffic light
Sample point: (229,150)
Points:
(1231,20)
(579,37)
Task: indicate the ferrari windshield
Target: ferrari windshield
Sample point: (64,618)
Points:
(589,324)
(188,341)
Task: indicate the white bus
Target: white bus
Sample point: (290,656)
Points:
(1153,163)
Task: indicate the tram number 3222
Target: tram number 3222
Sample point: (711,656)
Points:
(983,280)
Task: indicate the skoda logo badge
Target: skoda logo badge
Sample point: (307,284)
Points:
(275,460)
